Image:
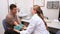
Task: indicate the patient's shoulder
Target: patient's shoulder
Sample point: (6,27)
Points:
(8,16)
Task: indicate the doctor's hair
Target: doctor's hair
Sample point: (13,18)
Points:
(38,10)
(12,6)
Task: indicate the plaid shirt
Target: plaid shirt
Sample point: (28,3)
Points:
(10,20)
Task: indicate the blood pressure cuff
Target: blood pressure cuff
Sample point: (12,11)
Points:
(18,27)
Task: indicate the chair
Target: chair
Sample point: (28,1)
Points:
(4,24)
(58,32)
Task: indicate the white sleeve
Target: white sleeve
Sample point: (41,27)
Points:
(30,28)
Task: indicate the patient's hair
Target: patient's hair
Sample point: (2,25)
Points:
(12,6)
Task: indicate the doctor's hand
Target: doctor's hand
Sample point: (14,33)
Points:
(23,28)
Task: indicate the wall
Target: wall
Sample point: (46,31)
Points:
(50,13)
(25,8)
(3,12)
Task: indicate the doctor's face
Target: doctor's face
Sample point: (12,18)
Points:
(33,11)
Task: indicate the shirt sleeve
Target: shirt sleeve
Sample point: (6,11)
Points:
(30,28)
(9,20)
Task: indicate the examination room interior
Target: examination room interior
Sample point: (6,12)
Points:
(50,10)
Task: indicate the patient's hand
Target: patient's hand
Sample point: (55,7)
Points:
(15,23)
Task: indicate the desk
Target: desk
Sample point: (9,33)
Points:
(53,24)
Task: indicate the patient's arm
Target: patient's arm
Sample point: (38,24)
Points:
(15,23)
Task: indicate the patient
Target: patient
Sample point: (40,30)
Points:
(12,20)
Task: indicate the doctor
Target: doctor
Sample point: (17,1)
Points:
(36,25)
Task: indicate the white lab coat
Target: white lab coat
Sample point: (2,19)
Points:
(36,26)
